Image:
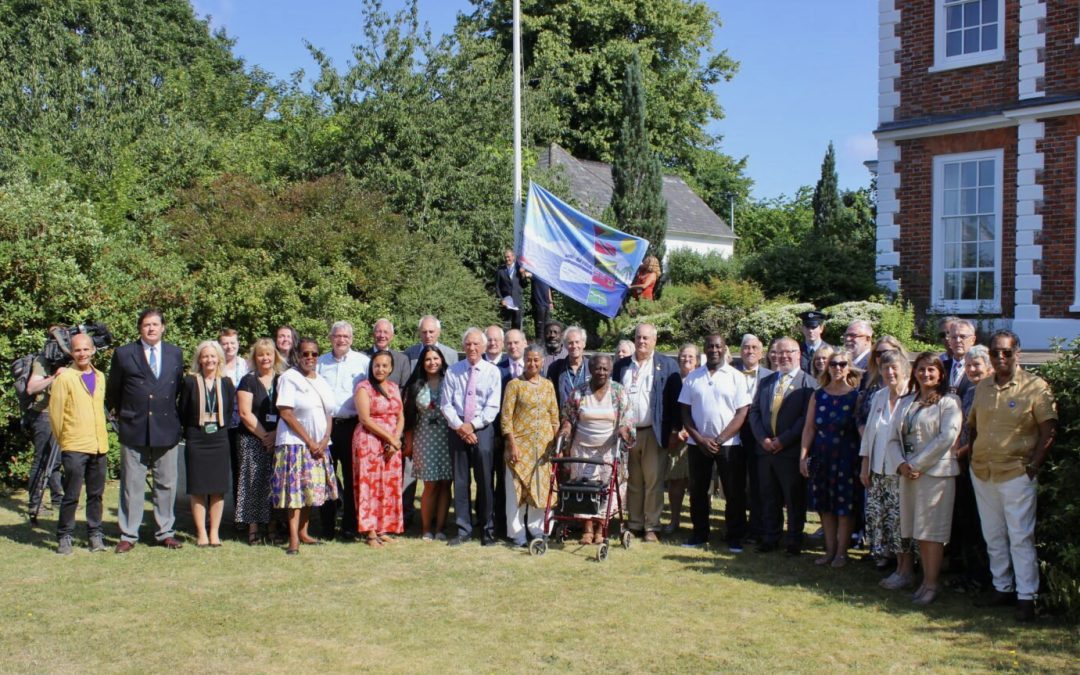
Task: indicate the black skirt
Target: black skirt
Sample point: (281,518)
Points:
(208,461)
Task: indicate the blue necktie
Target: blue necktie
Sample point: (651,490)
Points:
(153,361)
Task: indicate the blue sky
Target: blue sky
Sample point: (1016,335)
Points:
(808,72)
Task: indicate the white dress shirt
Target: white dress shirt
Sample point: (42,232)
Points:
(488,388)
(157,355)
(714,398)
(638,382)
(343,375)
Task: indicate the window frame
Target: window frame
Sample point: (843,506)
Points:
(943,62)
(1076,242)
(937,286)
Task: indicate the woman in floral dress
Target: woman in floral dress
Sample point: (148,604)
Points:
(376,449)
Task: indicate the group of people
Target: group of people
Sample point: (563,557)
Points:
(909,453)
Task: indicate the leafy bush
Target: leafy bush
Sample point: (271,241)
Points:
(895,318)
(717,307)
(686,266)
(817,271)
(774,320)
(1058,526)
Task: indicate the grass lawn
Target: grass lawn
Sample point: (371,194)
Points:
(423,607)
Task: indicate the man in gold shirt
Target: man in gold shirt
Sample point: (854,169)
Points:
(77,415)
(1013,422)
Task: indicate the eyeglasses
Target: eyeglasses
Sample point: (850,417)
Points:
(961,337)
(787,351)
(855,335)
(838,364)
(307,354)
(1001,353)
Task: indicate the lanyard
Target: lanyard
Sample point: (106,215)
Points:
(211,397)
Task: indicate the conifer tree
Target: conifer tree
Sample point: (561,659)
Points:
(827,205)
(637,199)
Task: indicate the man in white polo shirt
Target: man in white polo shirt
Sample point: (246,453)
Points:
(714,403)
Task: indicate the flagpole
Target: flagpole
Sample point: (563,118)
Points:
(517,126)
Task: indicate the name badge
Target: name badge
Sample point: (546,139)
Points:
(210,428)
(271,419)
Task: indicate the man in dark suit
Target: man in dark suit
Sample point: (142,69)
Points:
(141,393)
(777,417)
(382,334)
(749,363)
(652,383)
(571,371)
(961,339)
(812,324)
(508,290)
(540,295)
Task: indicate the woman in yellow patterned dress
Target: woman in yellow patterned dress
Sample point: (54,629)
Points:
(530,418)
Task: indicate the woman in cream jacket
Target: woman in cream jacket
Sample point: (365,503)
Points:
(930,420)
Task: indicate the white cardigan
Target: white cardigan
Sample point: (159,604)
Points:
(935,428)
(876,427)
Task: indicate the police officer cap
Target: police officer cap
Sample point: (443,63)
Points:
(813,318)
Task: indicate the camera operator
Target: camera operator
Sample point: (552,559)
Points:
(45,460)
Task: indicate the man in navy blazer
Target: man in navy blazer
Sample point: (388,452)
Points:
(508,290)
(652,383)
(750,364)
(778,439)
(141,393)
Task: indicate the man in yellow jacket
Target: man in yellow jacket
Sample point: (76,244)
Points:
(77,415)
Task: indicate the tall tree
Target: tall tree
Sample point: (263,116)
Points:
(574,52)
(826,203)
(637,199)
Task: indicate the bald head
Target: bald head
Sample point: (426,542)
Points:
(82,350)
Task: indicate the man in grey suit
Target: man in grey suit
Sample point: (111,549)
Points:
(777,417)
(142,392)
(749,363)
(429,331)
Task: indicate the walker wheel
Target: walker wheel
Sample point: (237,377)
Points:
(560,533)
(626,538)
(537,547)
(601,552)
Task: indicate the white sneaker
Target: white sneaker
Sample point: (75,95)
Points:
(440,537)
(895,582)
(428,537)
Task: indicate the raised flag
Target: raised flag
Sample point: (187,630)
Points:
(576,255)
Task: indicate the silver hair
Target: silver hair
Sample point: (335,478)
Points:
(624,343)
(575,329)
(438,324)
(502,335)
(977,352)
(863,323)
(474,329)
(969,324)
(748,337)
(338,325)
(533,348)
(388,322)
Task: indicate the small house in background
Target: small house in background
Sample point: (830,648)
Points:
(691,223)
(978,150)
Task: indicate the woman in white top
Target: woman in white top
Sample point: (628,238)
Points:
(879,474)
(303,471)
(929,426)
(595,416)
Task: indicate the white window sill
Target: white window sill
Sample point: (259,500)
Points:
(1076,41)
(964,309)
(1075,308)
(982,59)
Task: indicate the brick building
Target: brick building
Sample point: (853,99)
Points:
(978,150)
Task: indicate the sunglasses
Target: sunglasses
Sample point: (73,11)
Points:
(307,354)
(838,364)
(1001,353)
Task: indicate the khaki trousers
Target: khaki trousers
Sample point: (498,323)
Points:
(645,488)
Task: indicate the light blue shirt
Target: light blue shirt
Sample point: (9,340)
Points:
(343,375)
(488,387)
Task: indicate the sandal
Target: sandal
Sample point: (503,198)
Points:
(586,539)
(254,536)
(386,538)
(374,542)
(824,560)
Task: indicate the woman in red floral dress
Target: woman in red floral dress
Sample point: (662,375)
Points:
(376,448)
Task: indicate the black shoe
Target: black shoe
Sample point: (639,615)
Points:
(793,550)
(1025,611)
(766,547)
(1000,599)
(695,542)
(489,541)
(457,541)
